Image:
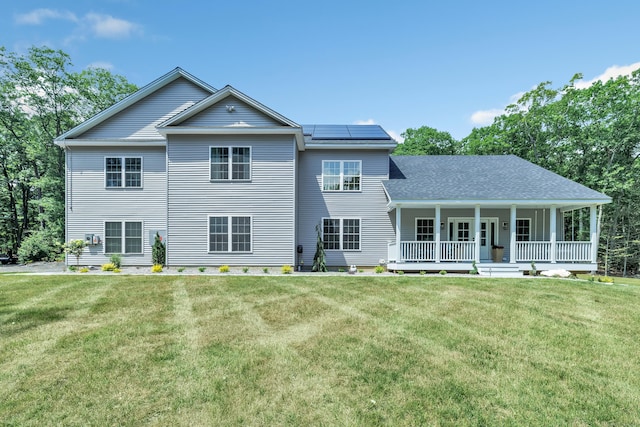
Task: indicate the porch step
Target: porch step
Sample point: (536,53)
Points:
(500,271)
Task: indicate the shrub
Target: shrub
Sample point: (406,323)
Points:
(341,270)
(39,246)
(202,269)
(443,272)
(474,268)
(156,268)
(72,268)
(180,269)
(245,269)
(158,251)
(84,270)
(224,269)
(286,269)
(116,259)
(400,272)
(605,279)
(116,270)
(108,267)
(379,269)
(265,270)
(422,272)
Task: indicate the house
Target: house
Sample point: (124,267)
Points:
(225,179)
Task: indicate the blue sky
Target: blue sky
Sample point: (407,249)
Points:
(402,64)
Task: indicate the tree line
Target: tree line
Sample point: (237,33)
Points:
(41,97)
(588,134)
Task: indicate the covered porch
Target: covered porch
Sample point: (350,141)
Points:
(498,238)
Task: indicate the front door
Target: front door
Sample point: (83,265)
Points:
(462,230)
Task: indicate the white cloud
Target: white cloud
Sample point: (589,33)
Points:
(100,64)
(610,73)
(107,26)
(365,122)
(38,16)
(485,117)
(395,135)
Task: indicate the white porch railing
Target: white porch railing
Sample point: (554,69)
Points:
(533,251)
(573,251)
(457,251)
(418,251)
(413,251)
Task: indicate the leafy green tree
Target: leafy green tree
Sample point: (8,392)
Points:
(319,263)
(427,140)
(75,248)
(41,98)
(158,251)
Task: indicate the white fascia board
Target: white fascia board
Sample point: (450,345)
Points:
(348,146)
(132,99)
(111,143)
(494,203)
(297,132)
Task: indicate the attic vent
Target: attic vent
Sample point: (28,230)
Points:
(231,108)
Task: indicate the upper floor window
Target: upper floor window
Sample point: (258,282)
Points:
(123,172)
(230,163)
(341,175)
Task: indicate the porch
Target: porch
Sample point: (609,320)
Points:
(497,238)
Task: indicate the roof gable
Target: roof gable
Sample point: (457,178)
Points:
(229,108)
(137,115)
(480,178)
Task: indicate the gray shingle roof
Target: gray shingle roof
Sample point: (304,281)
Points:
(499,178)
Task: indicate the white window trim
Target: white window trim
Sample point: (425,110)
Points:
(516,226)
(122,238)
(123,172)
(230,163)
(342,233)
(416,228)
(341,190)
(229,234)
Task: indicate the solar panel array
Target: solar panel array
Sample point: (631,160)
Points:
(345,132)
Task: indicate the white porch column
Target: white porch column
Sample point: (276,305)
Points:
(512,235)
(438,233)
(593,229)
(553,227)
(476,247)
(398,240)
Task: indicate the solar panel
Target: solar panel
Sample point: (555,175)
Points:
(367,132)
(346,132)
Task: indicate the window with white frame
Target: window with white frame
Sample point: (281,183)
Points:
(523,230)
(123,237)
(229,234)
(123,172)
(341,234)
(341,175)
(230,163)
(424,230)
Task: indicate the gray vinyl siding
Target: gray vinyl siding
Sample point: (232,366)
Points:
(268,198)
(242,115)
(90,204)
(369,205)
(139,121)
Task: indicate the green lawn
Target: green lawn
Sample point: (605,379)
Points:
(320,350)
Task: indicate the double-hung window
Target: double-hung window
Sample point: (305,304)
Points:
(123,237)
(341,234)
(341,175)
(523,230)
(230,163)
(229,234)
(123,172)
(425,229)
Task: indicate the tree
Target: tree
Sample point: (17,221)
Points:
(41,98)
(319,263)
(427,141)
(75,248)
(158,251)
